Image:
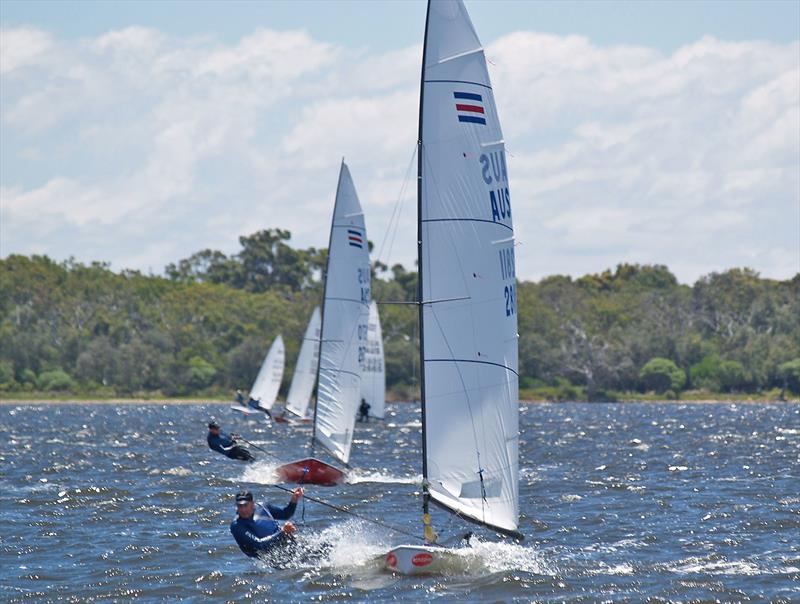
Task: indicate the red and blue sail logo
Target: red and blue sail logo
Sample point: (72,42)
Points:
(469,107)
(355,239)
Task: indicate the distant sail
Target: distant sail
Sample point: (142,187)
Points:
(468,316)
(268,381)
(347,296)
(305,370)
(373,373)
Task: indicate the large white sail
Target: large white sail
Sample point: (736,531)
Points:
(347,296)
(373,373)
(305,370)
(268,381)
(468,312)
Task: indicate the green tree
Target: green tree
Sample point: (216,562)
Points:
(790,373)
(661,375)
(54,381)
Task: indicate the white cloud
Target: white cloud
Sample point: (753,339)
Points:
(21,47)
(141,148)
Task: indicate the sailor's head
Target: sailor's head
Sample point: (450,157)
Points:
(244,504)
(213,427)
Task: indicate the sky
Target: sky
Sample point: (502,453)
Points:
(138,133)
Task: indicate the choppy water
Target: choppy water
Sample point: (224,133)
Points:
(620,502)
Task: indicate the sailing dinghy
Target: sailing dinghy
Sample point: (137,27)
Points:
(373,373)
(268,381)
(343,331)
(467,304)
(305,370)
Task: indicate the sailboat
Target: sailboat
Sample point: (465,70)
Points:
(467,298)
(343,336)
(305,370)
(373,373)
(268,381)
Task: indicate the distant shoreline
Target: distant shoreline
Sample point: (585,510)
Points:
(172,401)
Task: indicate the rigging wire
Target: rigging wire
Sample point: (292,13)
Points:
(394,220)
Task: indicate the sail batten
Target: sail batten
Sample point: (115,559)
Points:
(466,260)
(344,318)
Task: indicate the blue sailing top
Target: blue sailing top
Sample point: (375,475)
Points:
(260,533)
(220,442)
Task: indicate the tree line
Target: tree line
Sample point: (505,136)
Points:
(203,328)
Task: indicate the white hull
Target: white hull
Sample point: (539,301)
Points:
(247,410)
(420,559)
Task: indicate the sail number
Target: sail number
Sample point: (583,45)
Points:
(511,300)
(363,280)
(509,273)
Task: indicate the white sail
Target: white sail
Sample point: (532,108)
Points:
(305,370)
(468,316)
(347,296)
(268,381)
(373,373)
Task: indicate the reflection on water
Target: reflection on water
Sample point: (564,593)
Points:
(619,502)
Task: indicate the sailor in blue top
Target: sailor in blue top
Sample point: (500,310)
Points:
(222,443)
(255,528)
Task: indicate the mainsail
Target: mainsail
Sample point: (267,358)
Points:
(268,381)
(305,370)
(467,281)
(347,296)
(373,373)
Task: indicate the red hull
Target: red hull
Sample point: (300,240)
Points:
(310,471)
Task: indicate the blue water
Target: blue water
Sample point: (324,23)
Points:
(619,502)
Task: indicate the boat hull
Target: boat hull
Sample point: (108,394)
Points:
(419,559)
(310,471)
(246,410)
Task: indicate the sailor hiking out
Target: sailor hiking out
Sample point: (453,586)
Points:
(255,528)
(226,444)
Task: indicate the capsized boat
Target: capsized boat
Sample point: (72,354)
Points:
(268,381)
(343,331)
(305,370)
(373,372)
(467,293)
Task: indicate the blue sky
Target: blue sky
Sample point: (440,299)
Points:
(650,132)
(385,24)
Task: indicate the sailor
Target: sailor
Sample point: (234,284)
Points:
(225,444)
(239,397)
(255,528)
(255,404)
(363,411)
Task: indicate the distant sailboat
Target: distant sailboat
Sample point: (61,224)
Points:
(467,303)
(373,372)
(268,381)
(343,332)
(305,370)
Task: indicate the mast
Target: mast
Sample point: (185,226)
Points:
(430,536)
(322,309)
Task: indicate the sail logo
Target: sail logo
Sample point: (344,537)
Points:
(355,239)
(469,107)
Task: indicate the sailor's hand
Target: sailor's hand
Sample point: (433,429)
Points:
(289,528)
(297,494)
